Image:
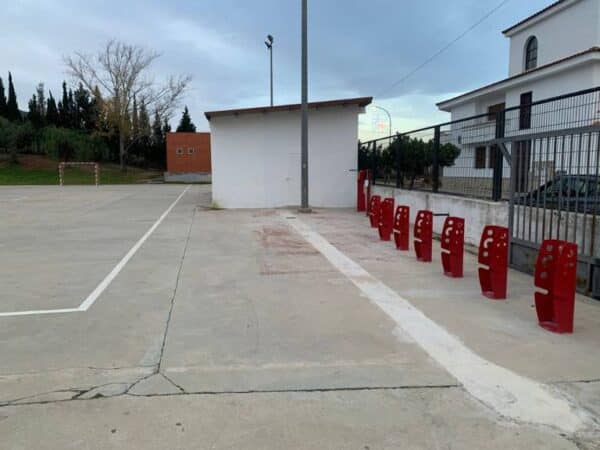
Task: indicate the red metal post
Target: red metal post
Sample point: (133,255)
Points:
(361,191)
(402,227)
(386,219)
(453,245)
(374,210)
(556,275)
(423,235)
(493,260)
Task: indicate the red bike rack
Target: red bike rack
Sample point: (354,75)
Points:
(402,227)
(423,235)
(374,209)
(363,189)
(453,245)
(493,259)
(556,273)
(386,219)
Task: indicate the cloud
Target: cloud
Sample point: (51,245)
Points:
(359,48)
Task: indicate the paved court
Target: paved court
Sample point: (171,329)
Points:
(138,317)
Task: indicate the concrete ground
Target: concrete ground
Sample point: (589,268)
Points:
(228,329)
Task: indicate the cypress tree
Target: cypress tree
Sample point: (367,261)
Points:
(63,108)
(72,111)
(41,101)
(185,124)
(12,107)
(82,113)
(2,99)
(51,111)
(33,115)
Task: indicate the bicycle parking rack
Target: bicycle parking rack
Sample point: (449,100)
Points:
(556,275)
(453,245)
(493,261)
(363,190)
(386,219)
(423,235)
(402,227)
(374,210)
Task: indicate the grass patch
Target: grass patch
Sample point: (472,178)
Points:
(22,174)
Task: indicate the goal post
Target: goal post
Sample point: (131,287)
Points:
(63,165)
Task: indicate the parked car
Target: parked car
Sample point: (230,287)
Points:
(580,193)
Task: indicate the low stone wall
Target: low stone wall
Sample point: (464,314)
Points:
(191,177)
(477,213)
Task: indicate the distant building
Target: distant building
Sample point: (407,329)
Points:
(188,157)
(554,52)
(256,154)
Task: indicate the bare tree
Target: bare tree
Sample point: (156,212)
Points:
(120,72)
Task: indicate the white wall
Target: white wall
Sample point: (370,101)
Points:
(556,83)
(477,213)
(564,33)
(256,158)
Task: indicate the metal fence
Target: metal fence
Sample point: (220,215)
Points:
(555,194)
(468,157)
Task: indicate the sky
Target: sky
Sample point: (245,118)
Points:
(356,48)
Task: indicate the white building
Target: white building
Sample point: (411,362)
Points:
(553,52)
(256,155)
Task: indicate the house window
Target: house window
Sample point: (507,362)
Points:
(525,111)
(480,153)
(493,110)
(531,53)
(179,151)
(190,151)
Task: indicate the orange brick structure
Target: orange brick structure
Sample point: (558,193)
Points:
(188,157)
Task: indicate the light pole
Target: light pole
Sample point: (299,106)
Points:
(304,134)
(269,44)
(389,119)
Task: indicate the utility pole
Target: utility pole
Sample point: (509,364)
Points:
(269,44)
(304,135)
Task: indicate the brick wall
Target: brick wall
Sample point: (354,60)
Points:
(188,152)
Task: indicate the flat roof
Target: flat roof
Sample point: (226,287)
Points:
(359,101)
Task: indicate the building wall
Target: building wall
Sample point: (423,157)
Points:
(256,158)
(557,83)
(566,32)
(188,153)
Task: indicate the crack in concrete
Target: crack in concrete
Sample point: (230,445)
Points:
(80,393)
(181,389)
(185,248)
(585,381)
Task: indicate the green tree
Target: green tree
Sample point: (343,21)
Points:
(64,109)
(185,124)
(41,102)
(52,111)
(135,125)
(3,109)
(12,107)
(415,157)
(33,114)
(144,133)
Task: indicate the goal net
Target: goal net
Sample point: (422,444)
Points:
(79,172)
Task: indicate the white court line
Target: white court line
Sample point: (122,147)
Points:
(511,395)
(89,301)
(39,312)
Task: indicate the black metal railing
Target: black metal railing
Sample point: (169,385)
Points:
(467,157)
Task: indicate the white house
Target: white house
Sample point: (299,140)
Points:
(553,52)
(256,154)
